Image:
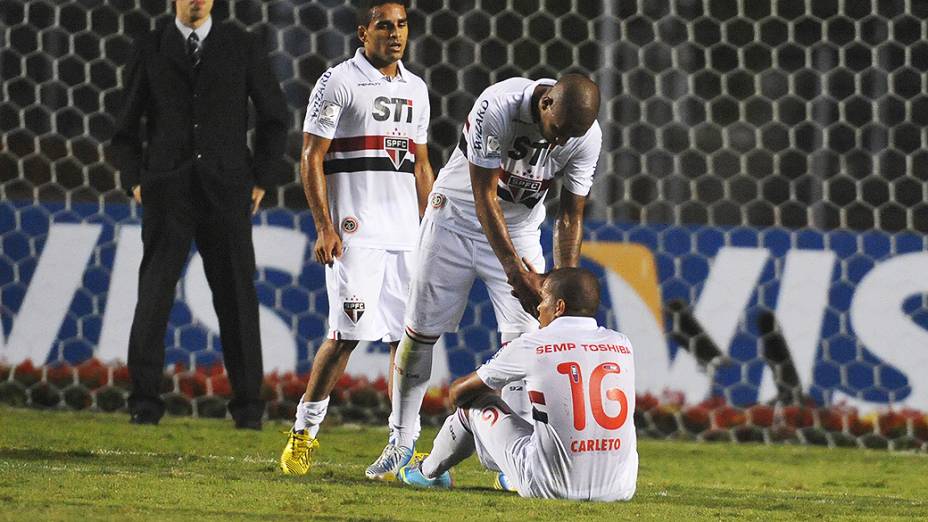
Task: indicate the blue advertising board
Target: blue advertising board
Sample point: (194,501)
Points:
(850,306)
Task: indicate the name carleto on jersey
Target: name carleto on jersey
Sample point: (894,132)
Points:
(384,107)
(586,445)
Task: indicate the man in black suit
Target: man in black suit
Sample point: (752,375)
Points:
(192,79)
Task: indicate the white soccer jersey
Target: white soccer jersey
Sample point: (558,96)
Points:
(373,123)
(580,379)
(499,133)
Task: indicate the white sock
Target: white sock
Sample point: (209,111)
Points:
(412,370)
(309,416)
(453,444)
(417,429)
(514,393)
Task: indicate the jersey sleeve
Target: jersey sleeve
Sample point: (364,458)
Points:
(328,100)
(578,174)
(422,127)
(508,365)
(484,130)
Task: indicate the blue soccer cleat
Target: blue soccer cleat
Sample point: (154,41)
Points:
(502,483)
(389,462)
(412,475)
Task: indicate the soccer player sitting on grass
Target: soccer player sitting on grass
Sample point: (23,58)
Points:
(580,379)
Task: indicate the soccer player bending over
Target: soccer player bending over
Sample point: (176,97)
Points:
(580,379)
(483,221)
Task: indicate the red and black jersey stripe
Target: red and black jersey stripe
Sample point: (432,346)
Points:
(536,397)
(335,166)
(368,163)
(354,143)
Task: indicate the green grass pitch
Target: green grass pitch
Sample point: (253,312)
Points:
(91,466)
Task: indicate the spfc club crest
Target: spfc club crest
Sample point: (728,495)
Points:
(354,309)
(396,149)
(522,188)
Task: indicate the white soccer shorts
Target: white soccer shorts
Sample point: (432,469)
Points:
(447,265)
(367,289)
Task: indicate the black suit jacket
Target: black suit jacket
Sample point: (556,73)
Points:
(198,121)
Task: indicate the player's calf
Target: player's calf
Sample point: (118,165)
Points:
(453,444)
(411,373)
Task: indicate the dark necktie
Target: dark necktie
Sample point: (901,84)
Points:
(194,50)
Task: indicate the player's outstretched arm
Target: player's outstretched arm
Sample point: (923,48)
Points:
(490,214)
(525,282)
(425,177)
(568,230)
(328,242)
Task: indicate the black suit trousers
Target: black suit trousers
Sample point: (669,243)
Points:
(176,213)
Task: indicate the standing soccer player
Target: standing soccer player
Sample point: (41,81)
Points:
(484,217)
(580,379)
(366,175)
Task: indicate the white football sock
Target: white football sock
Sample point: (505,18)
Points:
(411,373)
(514,393)
(416,431)
(453,444)
(309,416)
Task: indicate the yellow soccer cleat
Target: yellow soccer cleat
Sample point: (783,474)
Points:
(297,457)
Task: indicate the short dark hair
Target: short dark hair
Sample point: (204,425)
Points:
(366,10)
(578,288)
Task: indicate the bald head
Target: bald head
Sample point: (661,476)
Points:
(577,287)
(568,109)
(578,98)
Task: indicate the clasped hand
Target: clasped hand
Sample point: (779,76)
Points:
(526,287)
(328,246)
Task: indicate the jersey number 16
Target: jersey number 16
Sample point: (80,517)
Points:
(575,377)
